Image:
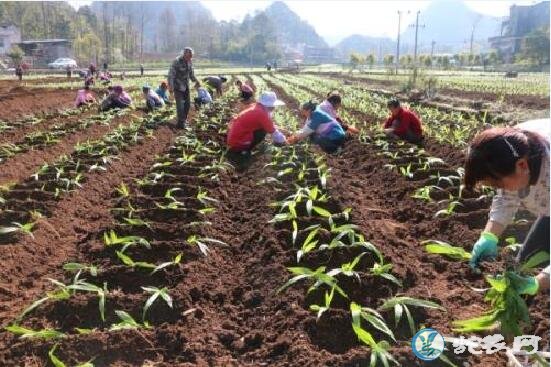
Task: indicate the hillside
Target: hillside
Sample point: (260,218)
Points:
(291,28)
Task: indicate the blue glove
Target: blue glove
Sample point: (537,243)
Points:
(525,285)
(484,249)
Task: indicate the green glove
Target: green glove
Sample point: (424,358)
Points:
(484,249)
(525,285)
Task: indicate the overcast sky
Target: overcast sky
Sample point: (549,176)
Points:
(335,20)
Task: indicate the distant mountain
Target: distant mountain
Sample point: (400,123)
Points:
(291,29)
(449,23)
(366,45)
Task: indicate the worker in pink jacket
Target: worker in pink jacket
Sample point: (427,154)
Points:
(84,96)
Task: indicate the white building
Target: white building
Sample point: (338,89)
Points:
(9,34)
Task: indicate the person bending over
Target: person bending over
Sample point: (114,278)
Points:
(330,106)
(515,161)
(403,124)
(322,129)
(250,127)
(84,96)
(117,98)
(152,99)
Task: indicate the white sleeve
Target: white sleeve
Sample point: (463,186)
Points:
(278,137)
(304,132)
(504,207)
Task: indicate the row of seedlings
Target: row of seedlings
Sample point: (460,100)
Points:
(22,204)
(126,278)
(346,277)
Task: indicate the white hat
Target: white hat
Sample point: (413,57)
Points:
(269,99)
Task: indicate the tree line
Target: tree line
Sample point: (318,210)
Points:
(116,34)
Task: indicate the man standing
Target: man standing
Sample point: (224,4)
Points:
(179,76)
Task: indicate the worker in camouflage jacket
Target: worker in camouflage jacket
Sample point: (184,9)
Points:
(179,75)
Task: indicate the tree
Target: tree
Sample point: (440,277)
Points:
(87,48)
(492,58)
(445,62)
(370,60)
(535,47)
(356,60)
(388,60)
(16,54)
(427,61)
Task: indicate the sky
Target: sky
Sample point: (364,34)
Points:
(335,20)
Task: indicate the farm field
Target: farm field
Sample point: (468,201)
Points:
(127,242)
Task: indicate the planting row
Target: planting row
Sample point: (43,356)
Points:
(126,278)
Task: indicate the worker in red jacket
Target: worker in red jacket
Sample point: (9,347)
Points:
(250,127)
(403,124)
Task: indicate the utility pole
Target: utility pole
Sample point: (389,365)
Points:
(398,42)
(472,34)
(415,48)
(432,53)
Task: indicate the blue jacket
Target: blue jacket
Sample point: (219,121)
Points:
(324,126)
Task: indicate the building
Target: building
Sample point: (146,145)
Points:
(9,35)
(319,55)
(522,20)
(46,51)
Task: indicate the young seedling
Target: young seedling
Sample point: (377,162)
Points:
(123,191)
(406,171)
(402,304)
(127,322)
(381,269)
(79,268)
(83,286)
(25,228)
(321,309)
(155,293)
(442,248)
(449,210)
(58,363)
(508,308)
(201,242)
(45,334)
(347,269)
(128,261)
(423,193)
(177,259)
(309,243)
(318,276)
(112,239)
(379,351)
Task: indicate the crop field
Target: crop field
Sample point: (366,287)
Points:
(127,242)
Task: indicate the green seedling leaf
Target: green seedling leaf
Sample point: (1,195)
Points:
(445,249)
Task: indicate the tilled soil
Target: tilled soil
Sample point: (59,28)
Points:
(226,310)
(22,165)
(17,102)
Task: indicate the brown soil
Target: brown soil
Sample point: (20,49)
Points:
(17,102)
(226,311)
(23,165)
